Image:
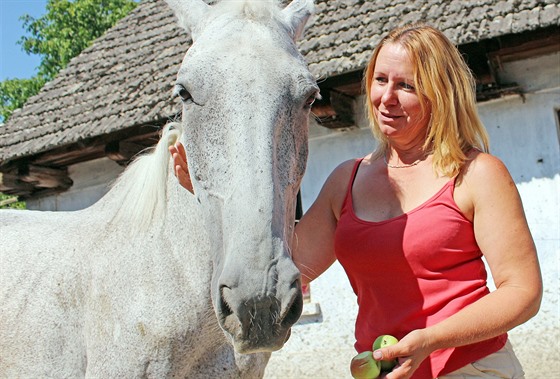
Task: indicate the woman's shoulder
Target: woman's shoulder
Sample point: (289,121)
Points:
(486,176)
(484,167)
(337,182)
(342,174)
(345,168)
(483,181)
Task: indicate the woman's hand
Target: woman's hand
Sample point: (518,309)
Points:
(180,167)
(410,351)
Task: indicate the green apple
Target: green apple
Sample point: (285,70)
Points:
(363,366)
(384,341)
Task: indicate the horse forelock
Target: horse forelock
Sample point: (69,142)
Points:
(257,10)
(142,187)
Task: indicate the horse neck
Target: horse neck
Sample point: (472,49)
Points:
(184,221)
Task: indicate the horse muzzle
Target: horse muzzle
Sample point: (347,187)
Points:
(260,323)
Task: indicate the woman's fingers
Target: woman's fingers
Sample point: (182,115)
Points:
(180,166)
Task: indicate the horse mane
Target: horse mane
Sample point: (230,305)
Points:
(141,190)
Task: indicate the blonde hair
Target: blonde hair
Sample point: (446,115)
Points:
(446,88)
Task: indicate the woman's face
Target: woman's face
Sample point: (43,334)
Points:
(396,106)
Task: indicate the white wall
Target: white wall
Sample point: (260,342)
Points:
(524,134)
(91,180)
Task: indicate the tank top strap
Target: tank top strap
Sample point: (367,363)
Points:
(348,197)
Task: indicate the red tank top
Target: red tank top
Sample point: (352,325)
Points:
(413,271)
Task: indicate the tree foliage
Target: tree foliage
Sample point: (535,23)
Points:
(15,92)
(68,27)
(7,201)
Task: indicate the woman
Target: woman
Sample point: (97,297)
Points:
(411,221)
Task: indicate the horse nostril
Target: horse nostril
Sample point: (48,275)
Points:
(288,335)
(294,307)
(225,298)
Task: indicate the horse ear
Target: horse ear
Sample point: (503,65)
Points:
(296,15)
(189,13)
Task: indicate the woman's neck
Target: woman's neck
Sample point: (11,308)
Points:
(404,156)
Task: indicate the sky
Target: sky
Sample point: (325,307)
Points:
(14,62)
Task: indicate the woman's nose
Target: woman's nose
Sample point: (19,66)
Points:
(389,95)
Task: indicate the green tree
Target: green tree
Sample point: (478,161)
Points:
(7,201)
(68,27)
(15,92)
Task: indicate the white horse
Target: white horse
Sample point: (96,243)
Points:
(152,281)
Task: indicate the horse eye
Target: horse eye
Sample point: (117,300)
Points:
(310,100)
(182,93)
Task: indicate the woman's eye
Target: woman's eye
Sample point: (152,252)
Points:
(380,79)
(407,86)
(182,93)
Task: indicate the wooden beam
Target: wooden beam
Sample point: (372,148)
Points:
(323,111)
(46,177)
(68,155)
(526,45)
(27,180)
(337,113)
(350,83)
(11,184)
(123,152)
(94,148)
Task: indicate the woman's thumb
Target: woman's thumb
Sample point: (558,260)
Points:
(385,354)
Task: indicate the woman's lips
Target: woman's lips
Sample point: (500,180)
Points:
(389,116)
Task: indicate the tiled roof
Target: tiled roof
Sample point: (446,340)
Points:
(124,80)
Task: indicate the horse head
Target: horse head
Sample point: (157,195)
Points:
(247,94)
